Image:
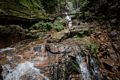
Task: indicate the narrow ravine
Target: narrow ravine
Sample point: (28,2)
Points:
(43,61)
(59,40)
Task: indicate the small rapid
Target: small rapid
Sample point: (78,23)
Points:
(69,20)
(24,71)
(6,49)
(88,67)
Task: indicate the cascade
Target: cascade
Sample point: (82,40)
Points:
(26,69)
(82,62)
(6,49)
(88,67)
(68,19)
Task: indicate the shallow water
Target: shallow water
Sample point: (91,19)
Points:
(88,67)
(6,49)
(26,68)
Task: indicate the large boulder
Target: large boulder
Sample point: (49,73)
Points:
(46,60)
(11,34)
(22,8)
(82,29)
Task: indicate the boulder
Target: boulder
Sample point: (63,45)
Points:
(66,33)
(11,34)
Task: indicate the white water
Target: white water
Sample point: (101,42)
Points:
(83,67)
(22,69)
(88,67)
(69,20)
(6,49)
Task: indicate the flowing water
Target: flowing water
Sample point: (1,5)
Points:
(69,20)
(6,49)
(83,67)
(88,67)
(24,71)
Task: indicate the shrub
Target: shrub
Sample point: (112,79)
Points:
(94,48)
(42,26)
(58,25)
(45,26)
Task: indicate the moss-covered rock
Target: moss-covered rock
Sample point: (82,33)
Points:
(11,34)
(22,8)
(42,26)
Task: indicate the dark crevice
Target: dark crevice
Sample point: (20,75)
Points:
(107,67)
(1,78)
(24,22)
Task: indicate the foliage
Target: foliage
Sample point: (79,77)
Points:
(79,3)
(49,5)
(45,26)
(31,36)
(42,26)
(58,26)
(94,48)
(100,18)
(83,3)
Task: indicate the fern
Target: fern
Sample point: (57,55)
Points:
(94,48)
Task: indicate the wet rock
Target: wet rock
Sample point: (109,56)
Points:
(5,53)
(23,72)
(32,77)
(108,54)
(51,58)
(54,60)
(59,48)
(37,48)
(83,28)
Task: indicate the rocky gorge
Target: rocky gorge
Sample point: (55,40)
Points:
(37,42)
(60,56)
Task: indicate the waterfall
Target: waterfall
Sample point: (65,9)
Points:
(88,67)
(69,20)
(24,70)
(82,62)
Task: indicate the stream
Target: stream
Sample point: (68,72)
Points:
(27,69)
(59,40)
(88,67)
(50,61)
(45,64)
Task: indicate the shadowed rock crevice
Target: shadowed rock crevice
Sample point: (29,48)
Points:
(1,78)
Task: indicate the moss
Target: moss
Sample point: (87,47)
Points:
(46,26)
(22,8)
(58,25)
(42,26)
(31,36)
(94,49)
